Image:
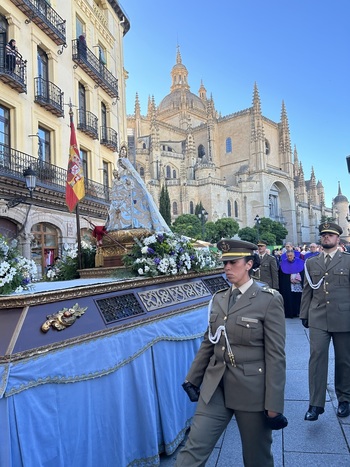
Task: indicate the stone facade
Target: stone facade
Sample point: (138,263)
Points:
(52,72)
(239,165)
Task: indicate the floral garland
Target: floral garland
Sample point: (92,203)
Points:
(16,272)
(168,254)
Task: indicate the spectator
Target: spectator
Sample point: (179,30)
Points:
(11,52)
(291,276)
(313,251)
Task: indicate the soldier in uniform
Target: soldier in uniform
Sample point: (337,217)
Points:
(325,310)
(268,266)
(240,367)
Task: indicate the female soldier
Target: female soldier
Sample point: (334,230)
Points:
(240,367)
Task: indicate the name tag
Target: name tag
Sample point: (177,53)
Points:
(249,320)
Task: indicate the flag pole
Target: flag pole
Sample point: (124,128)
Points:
(80,258)
(75,186)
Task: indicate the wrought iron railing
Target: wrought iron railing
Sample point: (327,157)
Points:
(87,60)
(88,123)
(44,16)
(13,163)
(13,71)
(109,138)
(49,95)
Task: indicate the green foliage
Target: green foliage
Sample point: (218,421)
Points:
(268,226)
(210,232)
(225,228)
(248,234)
(327,219)
(164,205)
(188,225)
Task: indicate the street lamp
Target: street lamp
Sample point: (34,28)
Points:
(203,216)
(30,179)
(257,223)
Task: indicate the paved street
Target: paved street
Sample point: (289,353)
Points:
(322,443)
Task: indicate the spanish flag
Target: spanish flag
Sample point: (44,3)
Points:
(75,189)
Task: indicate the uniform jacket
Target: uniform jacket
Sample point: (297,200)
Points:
(328,307)
(269,271)
(255,326)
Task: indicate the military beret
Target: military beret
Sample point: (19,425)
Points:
(235,249)
(329,227)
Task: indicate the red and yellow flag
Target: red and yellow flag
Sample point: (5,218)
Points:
(75,189)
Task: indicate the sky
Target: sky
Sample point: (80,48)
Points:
(297,51)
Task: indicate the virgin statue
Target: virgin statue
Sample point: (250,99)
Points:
(132,206)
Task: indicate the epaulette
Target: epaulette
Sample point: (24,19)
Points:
(268,290)
(221,290)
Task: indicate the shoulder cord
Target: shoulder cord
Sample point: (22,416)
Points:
(311,284)
(214,339)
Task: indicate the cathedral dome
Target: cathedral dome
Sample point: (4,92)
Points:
(340,198)
(181,98)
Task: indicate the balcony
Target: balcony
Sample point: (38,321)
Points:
(49,96)
(45,17)
(109,138)
(88,61)
(88,123)
(13,162)
(14,73)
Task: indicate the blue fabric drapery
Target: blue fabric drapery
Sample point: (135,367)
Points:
(111,401)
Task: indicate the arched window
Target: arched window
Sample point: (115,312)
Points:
(236,209)
(44,246)
(174,173)
(142,171)
(201,151)
(168,171)
(267,147)
(175,208)
(229,210)
(144,145)
(228,145)
(191,207)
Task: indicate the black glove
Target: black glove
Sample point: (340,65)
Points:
(305,323)
(192,391)
(278,422)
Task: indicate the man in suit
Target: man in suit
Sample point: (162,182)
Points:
(240,367)
(325,310)
(268,266)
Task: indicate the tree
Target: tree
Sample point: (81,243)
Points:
(248,234)
(210,232)
(188,225)
(164,205)
(327,219)
(225,228)
(271,231)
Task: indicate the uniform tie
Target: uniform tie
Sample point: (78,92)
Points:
(233,297)
(328,260)
(261,257)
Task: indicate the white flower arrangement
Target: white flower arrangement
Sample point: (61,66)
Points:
(16,272)
(166,253)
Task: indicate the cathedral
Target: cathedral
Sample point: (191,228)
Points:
(238,166)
